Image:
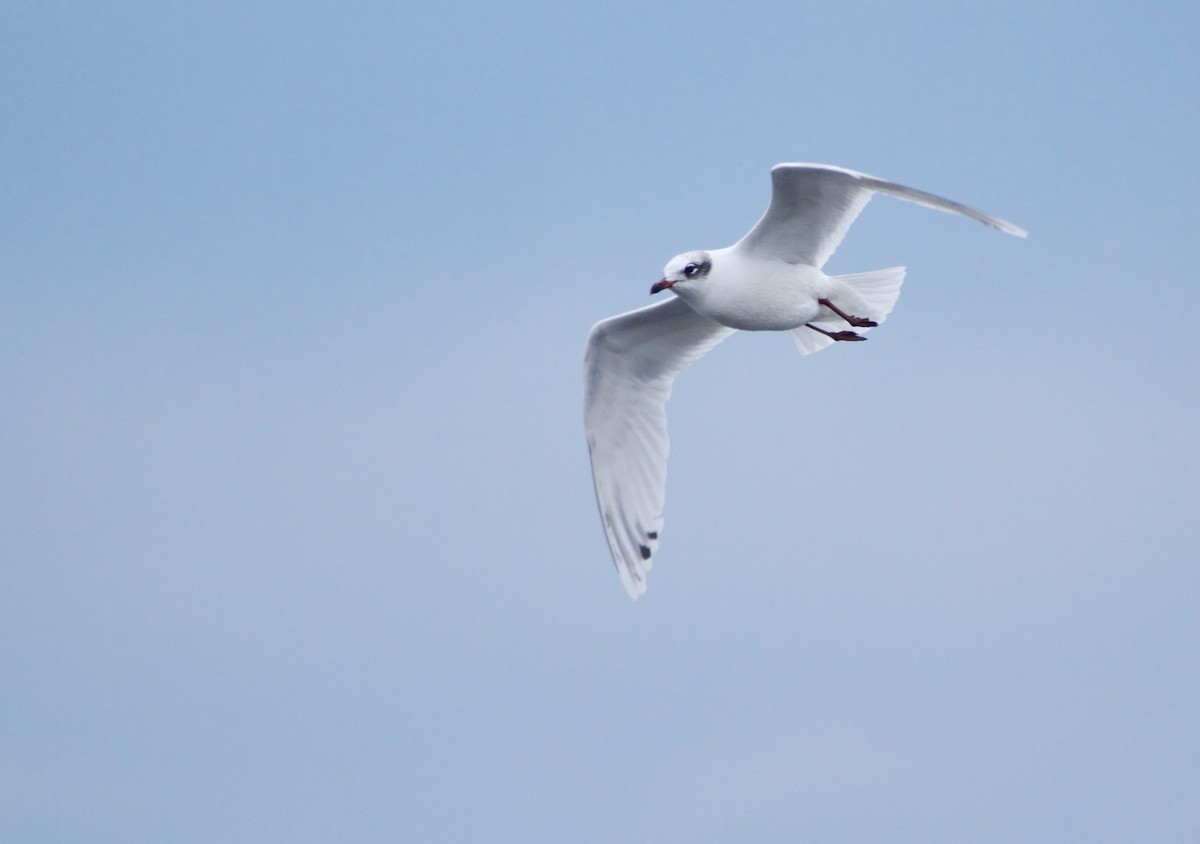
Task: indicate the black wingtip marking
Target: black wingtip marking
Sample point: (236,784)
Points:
(653,534)
(645,552)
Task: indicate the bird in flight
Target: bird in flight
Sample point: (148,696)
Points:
(770,280)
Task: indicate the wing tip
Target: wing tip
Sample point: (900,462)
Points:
(634,568)
(999,224)
(633,581)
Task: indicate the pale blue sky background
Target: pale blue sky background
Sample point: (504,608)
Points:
(297,535)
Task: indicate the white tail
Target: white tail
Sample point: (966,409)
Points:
(879,289)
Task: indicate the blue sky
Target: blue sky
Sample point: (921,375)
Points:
(297,535)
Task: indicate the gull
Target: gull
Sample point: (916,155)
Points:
(770,280)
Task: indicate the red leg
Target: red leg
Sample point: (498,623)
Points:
(856,321)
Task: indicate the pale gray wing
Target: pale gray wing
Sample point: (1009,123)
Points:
(628,368)
(813,205)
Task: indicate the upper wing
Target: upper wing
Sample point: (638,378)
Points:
(813,205)
(630,363)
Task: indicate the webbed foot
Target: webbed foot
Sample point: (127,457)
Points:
(837,335)
(856,321)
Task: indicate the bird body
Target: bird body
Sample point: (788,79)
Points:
(770,280)
(756,292)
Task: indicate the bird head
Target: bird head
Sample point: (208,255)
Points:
(684,269)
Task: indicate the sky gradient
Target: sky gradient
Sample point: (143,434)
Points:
(297,535)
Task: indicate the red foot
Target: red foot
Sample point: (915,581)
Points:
(861,322)
(856,321)
(836,335)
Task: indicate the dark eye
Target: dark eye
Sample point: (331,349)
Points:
(690,270)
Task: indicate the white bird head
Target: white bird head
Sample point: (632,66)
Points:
(684,269)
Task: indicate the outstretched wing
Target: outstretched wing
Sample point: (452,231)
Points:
(813,205)
(628,368)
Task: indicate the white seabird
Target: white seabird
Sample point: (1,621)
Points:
(770,280)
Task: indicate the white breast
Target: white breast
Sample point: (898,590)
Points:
(755,294)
